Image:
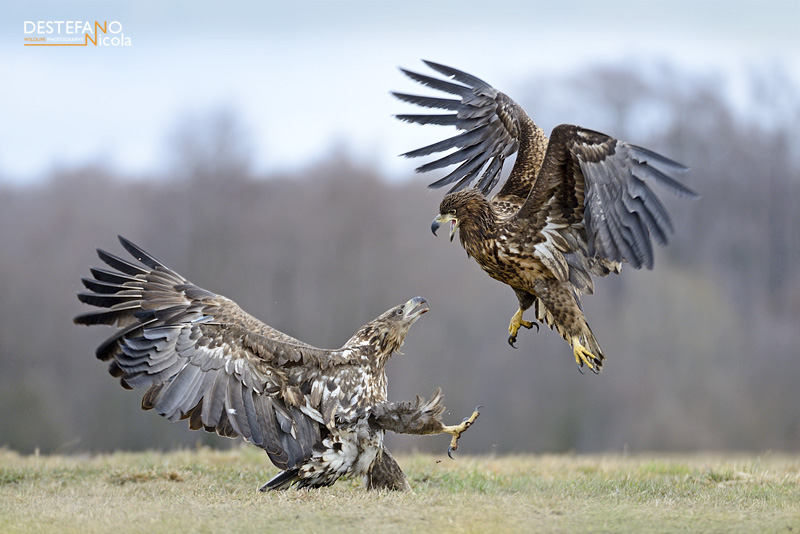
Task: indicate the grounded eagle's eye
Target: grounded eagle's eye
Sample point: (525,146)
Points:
(398,311)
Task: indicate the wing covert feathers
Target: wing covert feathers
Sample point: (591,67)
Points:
(592,180)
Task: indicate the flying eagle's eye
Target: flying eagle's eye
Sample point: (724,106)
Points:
(453,211)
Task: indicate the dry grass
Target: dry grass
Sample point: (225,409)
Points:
(212,491)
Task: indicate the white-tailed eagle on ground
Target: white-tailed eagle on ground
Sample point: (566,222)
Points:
(319,414)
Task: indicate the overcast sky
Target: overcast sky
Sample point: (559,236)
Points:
(307,76)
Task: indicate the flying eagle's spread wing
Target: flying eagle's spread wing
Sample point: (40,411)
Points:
(493,124)
(577,178)
(594,181)
(576,205)
(202,357)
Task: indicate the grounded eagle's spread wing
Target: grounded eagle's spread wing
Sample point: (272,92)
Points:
(492,124)
(592,180)
(202,357)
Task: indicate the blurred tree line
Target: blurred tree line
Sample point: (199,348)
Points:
(702,352)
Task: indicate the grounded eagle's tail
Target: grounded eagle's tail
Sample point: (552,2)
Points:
(282,480)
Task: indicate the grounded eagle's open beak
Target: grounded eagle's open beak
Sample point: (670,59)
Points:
(414,308)
(442,219)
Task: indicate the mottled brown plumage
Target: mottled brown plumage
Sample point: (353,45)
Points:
(319,414)
(575,205)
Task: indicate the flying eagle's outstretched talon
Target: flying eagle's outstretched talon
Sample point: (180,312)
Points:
(457,430)
(516,322)
(584,356)
(511,341)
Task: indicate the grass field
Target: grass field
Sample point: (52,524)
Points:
(215,491)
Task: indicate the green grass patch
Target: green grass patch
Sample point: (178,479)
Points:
(214,491)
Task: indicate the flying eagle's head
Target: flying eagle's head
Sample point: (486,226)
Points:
(467,207)
(388,332)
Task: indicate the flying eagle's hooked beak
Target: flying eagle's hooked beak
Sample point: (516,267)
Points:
(442,219)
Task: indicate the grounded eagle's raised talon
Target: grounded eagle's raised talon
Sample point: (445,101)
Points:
(457,430)
(512,340)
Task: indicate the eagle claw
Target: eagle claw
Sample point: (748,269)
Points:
(457,430)
(513,328)
(585,356)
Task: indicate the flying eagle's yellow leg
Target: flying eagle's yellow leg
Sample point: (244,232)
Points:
(583,355)
(457,430)
(516,322)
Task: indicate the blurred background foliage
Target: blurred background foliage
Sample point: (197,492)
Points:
(702,352)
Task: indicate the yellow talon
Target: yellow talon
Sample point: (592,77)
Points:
(516,322)
(582,355)
(457,430)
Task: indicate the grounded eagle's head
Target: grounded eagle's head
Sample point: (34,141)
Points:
(388,332)
(463,208)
